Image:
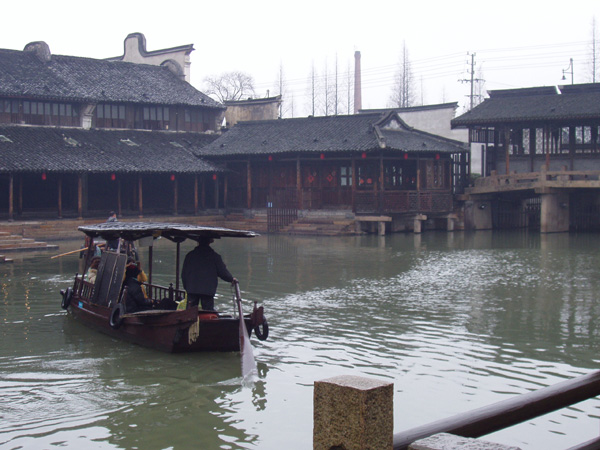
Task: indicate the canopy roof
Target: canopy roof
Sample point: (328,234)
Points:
(176,232)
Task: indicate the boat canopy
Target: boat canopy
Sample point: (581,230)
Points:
(176,232)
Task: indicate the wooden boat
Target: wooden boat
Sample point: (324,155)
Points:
(101,305)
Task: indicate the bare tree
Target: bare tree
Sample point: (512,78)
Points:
(403,91)
(480,91)
(349,90)
(595,53)
(281,89)
(312,90)
(230,86)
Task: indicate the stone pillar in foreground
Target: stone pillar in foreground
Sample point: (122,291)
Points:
(353,413)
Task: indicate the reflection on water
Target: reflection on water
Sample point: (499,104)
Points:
(455,320)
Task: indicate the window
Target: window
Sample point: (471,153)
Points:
(367,175)
(393,175)
(345,176)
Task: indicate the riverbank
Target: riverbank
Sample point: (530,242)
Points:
(64,229)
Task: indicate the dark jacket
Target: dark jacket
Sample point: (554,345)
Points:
(135,300)
(201,269)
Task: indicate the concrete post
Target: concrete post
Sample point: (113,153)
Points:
(478,215)
(555,213)
(445,441)
(381,228)
(418,223)
(353,413)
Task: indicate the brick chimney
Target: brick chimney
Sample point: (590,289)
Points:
(357,83)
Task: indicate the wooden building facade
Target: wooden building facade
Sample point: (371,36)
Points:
(367,163)
(519,130)
(540,157)
(82,136)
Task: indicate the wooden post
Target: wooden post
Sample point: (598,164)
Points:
(196,194)
(175,192)
(353,413)
(225,184)
(248,185)
(216,180)
(79,196)
(119,204)
(507,149)
(547,141)
(59,188)
(298,183)
(140,199)
(20,199)
(177,266)
(203,193)
(353,184)
(11,196)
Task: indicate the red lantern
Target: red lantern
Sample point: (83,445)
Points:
(322,155)
(172,177)
(113,177)
(214,176)
(44,176)
(406,156)
(437,156)
(270,158)
(364,155)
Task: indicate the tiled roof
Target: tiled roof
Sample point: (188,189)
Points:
(74,150)
(70,78)
(357,133)
(548,104)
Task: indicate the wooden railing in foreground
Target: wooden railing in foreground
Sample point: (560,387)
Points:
(495,417)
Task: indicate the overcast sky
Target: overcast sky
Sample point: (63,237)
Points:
(516,43)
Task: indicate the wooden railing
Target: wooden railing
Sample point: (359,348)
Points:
(157,292)
(495,417)
(85,290)
(536,180)
(404,202)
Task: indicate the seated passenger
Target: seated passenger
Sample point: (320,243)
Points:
(93,270)
(135,300)
(142,277)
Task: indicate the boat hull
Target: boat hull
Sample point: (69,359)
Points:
(170,331)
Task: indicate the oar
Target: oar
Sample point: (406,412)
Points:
(248,363)
(73,251)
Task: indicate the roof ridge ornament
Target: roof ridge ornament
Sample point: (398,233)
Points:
(40,49)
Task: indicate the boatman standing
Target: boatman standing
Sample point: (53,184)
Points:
(202,268)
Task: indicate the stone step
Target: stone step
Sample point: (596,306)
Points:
(5,260)
(27,246)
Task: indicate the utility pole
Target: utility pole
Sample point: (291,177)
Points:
(472,80)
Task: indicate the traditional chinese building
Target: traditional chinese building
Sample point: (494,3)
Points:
(540,158)
(368,164)
(79,136)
